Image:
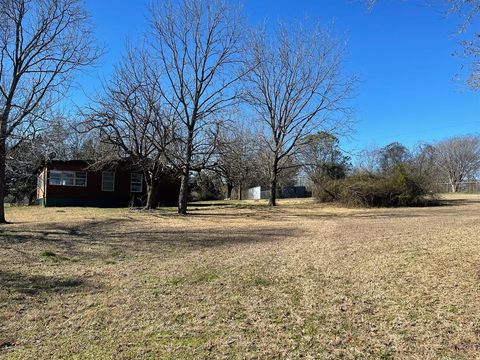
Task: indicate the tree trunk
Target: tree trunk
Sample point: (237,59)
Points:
(229,190)
(7,106)
(152,194)
(273,184)
(3,157)
(183,195)
(454,182)
(239,190)
(455,187)
(273,191)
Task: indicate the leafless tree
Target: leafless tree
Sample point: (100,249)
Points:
(458,158)
(469,12)
(368,159)
(198,45)
(424,163)
(296,88)
(238,160)
(58,141)
(469,6)
(42,44)
(130,117)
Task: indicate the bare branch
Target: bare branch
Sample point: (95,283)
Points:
(198,46)
(296,85)
(43,43)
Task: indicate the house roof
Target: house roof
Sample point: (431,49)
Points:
(91,165)
(71,162)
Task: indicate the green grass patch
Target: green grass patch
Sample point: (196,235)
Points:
(48,254)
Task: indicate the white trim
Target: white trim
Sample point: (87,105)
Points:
(113,181)
(62,177)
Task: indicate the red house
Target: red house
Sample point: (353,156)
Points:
(76,183)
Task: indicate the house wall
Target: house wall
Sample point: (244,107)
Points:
(91,194)
(41,183)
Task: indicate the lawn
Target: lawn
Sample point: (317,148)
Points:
(240,280)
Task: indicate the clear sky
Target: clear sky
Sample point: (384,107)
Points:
(402,51)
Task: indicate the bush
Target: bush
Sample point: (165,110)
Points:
(207,186)
(328,190)
(400,187)
(328,180)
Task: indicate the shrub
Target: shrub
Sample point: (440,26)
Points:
(400,187)
(328,190)
(207,186)
(328,180)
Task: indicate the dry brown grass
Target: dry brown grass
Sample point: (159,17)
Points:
(242,281)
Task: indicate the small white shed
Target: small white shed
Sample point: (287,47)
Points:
(254,193)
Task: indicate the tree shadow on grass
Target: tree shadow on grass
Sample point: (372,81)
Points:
(53,233)
(198,239)
(101,239)
(191,238)
(268,216)
(456,202)
(36,284)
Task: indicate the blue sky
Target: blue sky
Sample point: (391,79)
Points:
(402,51)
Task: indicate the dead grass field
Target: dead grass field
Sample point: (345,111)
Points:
(240,280)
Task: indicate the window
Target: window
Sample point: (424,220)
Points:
(67,178)
(80,178)
(108,181)
(136,182)
(55,178)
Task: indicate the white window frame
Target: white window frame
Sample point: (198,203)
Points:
(67,174)
(76,177)
(112,189)
(50,173)
(136,182)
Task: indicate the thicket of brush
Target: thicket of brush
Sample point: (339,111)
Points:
(403,186)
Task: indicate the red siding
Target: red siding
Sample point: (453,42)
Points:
(93,190)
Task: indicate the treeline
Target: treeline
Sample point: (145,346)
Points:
(390,176)
(201,95)
(174,96)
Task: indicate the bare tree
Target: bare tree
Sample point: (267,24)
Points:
(458,158)
(197,43)
(295,88)
(42,44)
(424,164)
(367,160)
(58,141)
(470,7)
(238,158)
(130,117)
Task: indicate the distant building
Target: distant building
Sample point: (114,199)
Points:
(286,192)
(76,183)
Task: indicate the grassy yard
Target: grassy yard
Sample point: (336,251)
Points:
(240,280)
